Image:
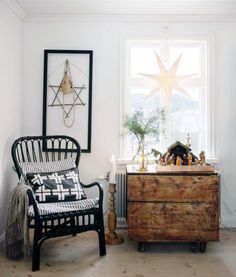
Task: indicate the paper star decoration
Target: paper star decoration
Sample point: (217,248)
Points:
(167,80)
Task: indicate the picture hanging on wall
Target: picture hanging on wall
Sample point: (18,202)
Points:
(67,95)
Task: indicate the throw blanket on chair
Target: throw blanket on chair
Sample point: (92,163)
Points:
(17,231)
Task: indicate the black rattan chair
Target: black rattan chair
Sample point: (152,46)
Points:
(56,148)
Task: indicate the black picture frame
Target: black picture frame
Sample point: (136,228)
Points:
(82,62)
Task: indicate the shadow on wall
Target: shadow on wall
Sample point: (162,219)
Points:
(104,183)
(7,181)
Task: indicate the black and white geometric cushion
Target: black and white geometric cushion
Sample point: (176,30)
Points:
(57,186)
(60,207)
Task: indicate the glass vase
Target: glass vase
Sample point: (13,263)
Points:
(142,158)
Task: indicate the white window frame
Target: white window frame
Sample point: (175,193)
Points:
(210,98)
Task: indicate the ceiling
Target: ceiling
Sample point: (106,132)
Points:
(45,8)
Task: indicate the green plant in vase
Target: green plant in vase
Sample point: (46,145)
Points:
(141,124)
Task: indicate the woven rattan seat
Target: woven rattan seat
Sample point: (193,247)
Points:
(63,207)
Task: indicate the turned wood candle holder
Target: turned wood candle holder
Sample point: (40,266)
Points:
(112,238)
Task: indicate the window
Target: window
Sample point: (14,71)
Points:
(172,74)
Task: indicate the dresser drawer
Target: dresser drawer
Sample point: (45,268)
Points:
(156,235)
(173,215)
(173,188)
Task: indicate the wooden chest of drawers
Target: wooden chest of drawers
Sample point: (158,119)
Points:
(173,207)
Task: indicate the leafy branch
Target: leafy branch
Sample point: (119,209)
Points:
(141,124)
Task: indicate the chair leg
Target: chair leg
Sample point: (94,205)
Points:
(102,244)
(73,224)
(101,235)
(36,255)
(36,249)
(36,258)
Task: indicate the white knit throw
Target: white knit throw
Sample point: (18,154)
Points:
(17,230)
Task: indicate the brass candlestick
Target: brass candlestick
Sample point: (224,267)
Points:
(112,238)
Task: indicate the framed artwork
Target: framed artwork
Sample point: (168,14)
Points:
(67,95)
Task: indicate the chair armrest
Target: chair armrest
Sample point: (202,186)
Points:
(32,201)
(100,189)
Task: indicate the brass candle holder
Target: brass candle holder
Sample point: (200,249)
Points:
(112,238)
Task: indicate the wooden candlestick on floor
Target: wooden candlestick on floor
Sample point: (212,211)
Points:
(112,237)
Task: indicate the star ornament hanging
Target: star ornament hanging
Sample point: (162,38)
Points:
(167,81)
(67,96)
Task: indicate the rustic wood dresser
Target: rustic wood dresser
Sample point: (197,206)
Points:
(172,207)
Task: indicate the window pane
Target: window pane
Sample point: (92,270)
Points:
(177,82)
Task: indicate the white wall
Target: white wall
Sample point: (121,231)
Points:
(104,38)
(105,122)
(11,31)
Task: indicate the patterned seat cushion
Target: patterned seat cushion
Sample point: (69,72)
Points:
(60,207)
(52,166)
(57,186)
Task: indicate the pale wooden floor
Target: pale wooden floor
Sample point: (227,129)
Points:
(78,256)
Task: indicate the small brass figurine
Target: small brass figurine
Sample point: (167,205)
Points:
(202,158)
(185,159)
(190,159)
(158,156)
(167,157)
(161,161)
(179,161)
(171,160)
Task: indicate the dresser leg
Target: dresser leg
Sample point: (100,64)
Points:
(199,246)
(141,246)
(194,247)
(202,246)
